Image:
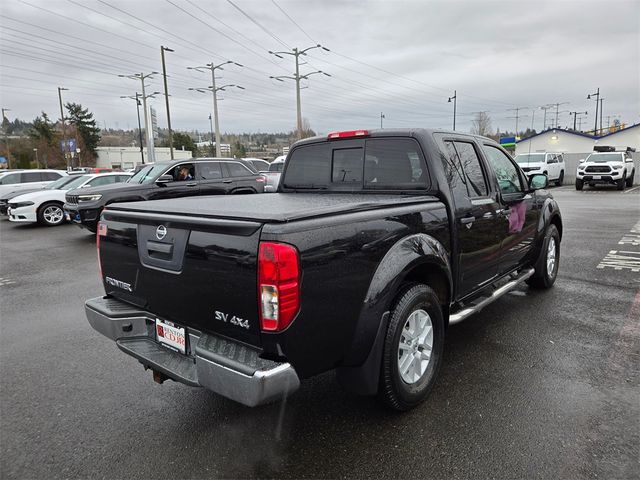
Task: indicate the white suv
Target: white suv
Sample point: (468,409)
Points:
(14,181)
(549,163)
(606,166)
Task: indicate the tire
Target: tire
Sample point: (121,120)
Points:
(546,268)
(50,214)
(415,307)
(620,184)
(579,184)
(560,179)
(630,179)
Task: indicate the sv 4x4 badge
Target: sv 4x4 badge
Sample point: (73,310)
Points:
(232,319)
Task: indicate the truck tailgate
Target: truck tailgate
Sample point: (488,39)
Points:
(195,272)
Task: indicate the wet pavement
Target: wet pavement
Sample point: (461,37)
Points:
(537,385)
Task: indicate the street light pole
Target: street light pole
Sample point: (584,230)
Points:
(575,117)
(137,99)
(166,97)
(148,134)
(213,67)
(601,100)
(597,95)
(64,129)
(297,77)
(455,102)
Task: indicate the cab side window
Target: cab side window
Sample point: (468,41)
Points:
(505,170)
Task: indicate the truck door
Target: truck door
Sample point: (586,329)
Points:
(518,209)
(476,216)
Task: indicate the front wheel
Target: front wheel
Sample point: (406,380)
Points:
(412,349)
(579,184)
(546,268)
(620,184)
(560,179)
(630,179)
(50,214)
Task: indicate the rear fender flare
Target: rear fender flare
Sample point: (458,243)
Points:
(365,353)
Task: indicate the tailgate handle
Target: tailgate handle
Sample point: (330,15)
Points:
(166,248)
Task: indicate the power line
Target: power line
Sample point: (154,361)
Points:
(259,25)
(293,21)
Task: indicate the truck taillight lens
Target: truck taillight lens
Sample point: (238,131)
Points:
(261,179)
(278,285)
(100,232)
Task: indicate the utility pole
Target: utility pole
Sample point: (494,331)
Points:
(597,95)
(381,117)
(576,115)
(211,125)
(601,100)
(64,129)
(517,116)
(151,155)
(557,105)
(544,122)
(166,97)
(137,99)
(297,77)
(455,104)
(6,138)
(214,90)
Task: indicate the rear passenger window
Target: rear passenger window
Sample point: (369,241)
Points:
(29,177)
(394,163)
(238,170)
(50,176)
(454,173)
(10,179)
(347,166)
(468,158)
(209,171)
(99,181)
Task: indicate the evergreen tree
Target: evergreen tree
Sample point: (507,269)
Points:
(86,126)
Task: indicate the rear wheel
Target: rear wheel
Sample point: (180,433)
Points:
(50,214)
(412,349)
(579,184)
(560,179)
(630,179)
(546,268)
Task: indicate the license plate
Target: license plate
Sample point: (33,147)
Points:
(170,335)
(597,177)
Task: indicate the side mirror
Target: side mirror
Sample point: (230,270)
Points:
(582,160)
(538,182)
(164,179)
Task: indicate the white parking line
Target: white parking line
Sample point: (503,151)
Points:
(632,189)
(624,259)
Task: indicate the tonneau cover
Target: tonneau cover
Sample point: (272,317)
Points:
(276,207)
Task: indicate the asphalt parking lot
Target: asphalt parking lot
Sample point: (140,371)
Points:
(538,385)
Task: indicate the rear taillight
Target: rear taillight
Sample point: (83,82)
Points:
(100,232)
(278,285)
(261,179)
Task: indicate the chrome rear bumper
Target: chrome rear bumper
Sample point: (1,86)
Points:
(228,368)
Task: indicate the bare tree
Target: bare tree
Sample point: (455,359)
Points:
(481,125)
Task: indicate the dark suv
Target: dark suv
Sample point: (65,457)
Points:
(207,176)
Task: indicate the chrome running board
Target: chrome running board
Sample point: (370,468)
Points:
(465,312)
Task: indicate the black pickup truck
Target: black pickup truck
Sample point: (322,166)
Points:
(375,242)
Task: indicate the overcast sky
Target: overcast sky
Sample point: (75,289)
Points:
(402,58)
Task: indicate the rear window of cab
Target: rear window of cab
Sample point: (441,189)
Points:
(348,165)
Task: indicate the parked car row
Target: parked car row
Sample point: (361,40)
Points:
(81,198)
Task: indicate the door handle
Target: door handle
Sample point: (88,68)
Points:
(227,181)
(467,220)
(192,184)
